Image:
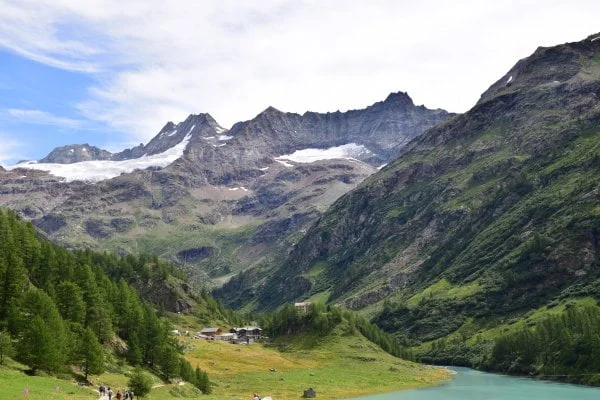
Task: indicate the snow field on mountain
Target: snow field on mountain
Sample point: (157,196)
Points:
(350,151)
(99,170)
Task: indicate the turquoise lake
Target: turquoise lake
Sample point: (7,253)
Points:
(469,384)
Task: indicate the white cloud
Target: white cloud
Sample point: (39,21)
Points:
(156,61)
(10,149)
(39,117)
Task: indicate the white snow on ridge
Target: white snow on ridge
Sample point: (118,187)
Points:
(191,129)
(222,138)
(95,171)
(218,129)
(350,151)
(238,188)
(173,132)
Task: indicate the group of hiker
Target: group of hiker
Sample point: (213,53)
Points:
(107,391)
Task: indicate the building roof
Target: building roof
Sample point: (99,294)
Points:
(210,330)
(248,328)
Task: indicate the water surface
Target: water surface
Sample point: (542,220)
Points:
(469,384)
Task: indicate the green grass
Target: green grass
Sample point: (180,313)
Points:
(338,366)
(443,289)
(341,365)
(320,297)
(13,382)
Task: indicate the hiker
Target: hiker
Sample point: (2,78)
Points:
(110,393)
(256,397)
(102,390)
(119,395)
(126,395)
(131,394)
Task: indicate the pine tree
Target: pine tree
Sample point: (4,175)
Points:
(43,345)
(168,361)
(140,383)
(90,354)
(6,346)
(202,381)
(69,301)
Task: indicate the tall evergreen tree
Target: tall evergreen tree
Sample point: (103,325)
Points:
(6,346)
(90,354)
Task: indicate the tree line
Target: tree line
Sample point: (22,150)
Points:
(563,347)
(60,308)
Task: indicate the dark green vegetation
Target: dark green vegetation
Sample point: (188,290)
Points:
(321,320)
(482,219)
(65,308)
(563,347)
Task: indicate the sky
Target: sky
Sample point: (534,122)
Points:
(112,73)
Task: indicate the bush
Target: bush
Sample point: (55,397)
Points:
(140,383)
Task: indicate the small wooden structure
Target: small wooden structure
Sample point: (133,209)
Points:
(247,332)
(212,333)
(303,306)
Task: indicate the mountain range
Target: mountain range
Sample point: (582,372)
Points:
(489,216)
(214,200)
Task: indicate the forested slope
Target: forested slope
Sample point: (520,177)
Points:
(60,309)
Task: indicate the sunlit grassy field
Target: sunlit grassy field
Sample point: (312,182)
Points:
(341,365)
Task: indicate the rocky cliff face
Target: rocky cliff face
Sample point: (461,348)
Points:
(233,198)
(492,212)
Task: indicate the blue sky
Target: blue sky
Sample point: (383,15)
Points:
(112,73)
(38,104)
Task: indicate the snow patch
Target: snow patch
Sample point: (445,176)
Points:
(84,149)
(218,129)
(71,150)
(191,129)
(222,138)
(208,138)
(285,164)
(99,170)
(240,188)
(350,151)
(594,39)
(173,132)
(509,80)
(264,168)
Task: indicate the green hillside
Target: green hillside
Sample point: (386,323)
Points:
(482,219)
(74,317)
(76,314)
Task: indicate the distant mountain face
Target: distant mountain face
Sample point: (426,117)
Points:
(212,199)
(76,153)
(488,214)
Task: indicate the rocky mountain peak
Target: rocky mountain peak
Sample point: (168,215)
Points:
(271,112)
(76,153)
(401,99)
(547,67)
(169,126)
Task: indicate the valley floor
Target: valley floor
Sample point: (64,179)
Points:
(340,366)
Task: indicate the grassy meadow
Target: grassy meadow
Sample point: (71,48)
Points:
(341,365)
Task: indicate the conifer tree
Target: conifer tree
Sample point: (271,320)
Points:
(90,354)
(6,346)
(140,383)
(69,301)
